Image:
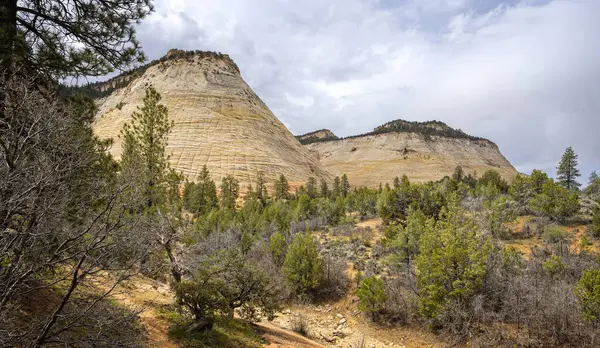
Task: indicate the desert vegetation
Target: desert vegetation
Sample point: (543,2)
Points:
(472,259)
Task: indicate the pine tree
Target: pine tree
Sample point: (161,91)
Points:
(303,266)
(567,172)
(337,187)
(230,188)
(451,264)
(345,185)
(282,188)
(595,226)
(38,35)
(311,187)
(371,294)
(593,183)
(261,188)
(144,160)
(324,189)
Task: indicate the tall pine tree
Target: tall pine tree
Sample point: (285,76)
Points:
(144,160)
(567,170)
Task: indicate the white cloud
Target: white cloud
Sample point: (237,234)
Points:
(524,74)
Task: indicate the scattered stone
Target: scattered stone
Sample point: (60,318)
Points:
(342,321)
(339,315)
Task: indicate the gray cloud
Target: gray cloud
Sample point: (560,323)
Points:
(524,74)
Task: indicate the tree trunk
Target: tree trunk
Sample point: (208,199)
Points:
(8,32)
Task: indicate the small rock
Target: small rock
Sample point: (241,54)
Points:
(342,321)
(339,315)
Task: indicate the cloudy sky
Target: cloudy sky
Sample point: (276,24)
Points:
(525,74)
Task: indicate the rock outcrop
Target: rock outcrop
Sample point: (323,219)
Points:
(316,136)
(218,120)
(423,151)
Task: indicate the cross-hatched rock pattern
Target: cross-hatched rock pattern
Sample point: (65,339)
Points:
(373,159)
(218,121)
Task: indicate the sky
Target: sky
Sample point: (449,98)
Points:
(524,74)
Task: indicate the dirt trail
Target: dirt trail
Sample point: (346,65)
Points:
(141,293)
(146,295)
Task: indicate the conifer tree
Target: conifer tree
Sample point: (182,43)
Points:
(56,38)
(396,183)
(282,188)
(311,187)
(567,172)
(144,159)
(451,264)
(345,185)
(261,188)
(371,294)
(230,188)
(595,226)
(593,183)
(200,197)
(337,187)
(324,189)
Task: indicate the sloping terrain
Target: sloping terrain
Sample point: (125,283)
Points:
(218,121)
(426,151)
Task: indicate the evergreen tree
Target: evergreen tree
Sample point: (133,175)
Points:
(595,226)
(345,185)
(538,179)
(57,38)
(396,184)
(324,189)
(451,264)
(371,294)
(311,187)
(567,172)
(144,160)
(588,294)
(458,174)
(282,188)
(555,202)
(261,188)
(230,188)
(337,187)
(201,197)
(303,266)
(278,247)
(593,184)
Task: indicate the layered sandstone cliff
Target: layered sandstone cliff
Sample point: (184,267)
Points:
(218,121)
(422,151)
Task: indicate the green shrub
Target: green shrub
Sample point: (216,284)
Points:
(555,234)
(588,294)
(371,294)
(303,266)
(278,246)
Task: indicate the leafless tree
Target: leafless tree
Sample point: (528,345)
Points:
(65,240)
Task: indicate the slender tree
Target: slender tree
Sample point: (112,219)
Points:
(144,160)
(324,189)
(282,188)
(311,187)
(230,188)
(345,186)
(337,187)
(567,172)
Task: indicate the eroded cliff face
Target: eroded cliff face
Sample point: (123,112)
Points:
(218,121)
(378,158)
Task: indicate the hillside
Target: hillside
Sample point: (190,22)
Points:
(316,136)
(218,120)
(422,150)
